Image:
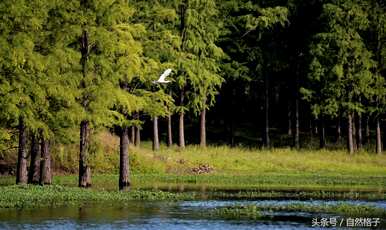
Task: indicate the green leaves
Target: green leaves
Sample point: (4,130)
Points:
(341,68)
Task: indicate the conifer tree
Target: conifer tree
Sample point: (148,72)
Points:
(341,64)
(22,67)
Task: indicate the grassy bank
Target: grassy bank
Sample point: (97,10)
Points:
(237,173)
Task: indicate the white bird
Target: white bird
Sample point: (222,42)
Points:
(163,76)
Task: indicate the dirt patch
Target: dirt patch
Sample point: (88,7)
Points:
(202,169)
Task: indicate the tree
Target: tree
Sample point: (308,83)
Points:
(376,42)
(99,36)
(341,65)
(160,51)
(201,33)
(21,68)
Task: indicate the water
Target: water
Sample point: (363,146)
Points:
(160,215)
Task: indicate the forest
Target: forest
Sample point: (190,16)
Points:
(264,74)
(257,74)
(192,114)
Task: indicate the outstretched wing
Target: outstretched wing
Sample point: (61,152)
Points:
(164,75)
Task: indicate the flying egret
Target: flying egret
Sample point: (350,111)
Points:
(163,76)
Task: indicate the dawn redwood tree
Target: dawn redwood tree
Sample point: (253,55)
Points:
(260,24)
(22,66)
(341,65)
(100,37)
(376,40)
(160,45)
(202,32)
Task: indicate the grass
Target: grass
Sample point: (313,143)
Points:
(238,173)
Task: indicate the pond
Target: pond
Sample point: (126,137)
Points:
(165,215)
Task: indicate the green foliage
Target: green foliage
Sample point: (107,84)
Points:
(255,211)
(42,196)
(341,66)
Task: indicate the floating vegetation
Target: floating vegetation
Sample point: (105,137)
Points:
(43,196)
(265,211)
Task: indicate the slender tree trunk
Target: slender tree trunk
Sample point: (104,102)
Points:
(367,131)
(181,133)
(338,131)
(22,174)
(322,134)
(203,128)
(379,138)
(266,140)
(297,123)
(170,133)
(289,118)
(137,130)
(138,136)
(354,132)
(45,165)
(132,135)
(124,180)
(181,128)
(350,141)
(84,168)
(359,132)
(34,169)
(155,134)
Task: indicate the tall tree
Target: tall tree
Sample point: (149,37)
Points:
(341,64)
(21,68)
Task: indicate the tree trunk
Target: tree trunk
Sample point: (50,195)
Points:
(137,136)
(379,138)
(338,131)
(354,132)
(84,168)
(322,134)
(203,128)
(155,134)
(359,132)
(124,181)
(45,165)
(266,140)
(181,128)
(367,131)
(289,118)
(132,135)
(181,133)
(350,141)
(34,169)
(22,174)
(170,133)
(297,123)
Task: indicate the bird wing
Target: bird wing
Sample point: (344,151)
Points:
(164,75)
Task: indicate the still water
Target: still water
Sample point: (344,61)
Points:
(160,215)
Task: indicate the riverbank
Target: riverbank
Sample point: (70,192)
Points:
(215,173)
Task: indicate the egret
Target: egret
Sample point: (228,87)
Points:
(161,79)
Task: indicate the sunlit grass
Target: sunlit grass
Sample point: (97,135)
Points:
(238,169)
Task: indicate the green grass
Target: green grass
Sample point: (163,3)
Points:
(237,172)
